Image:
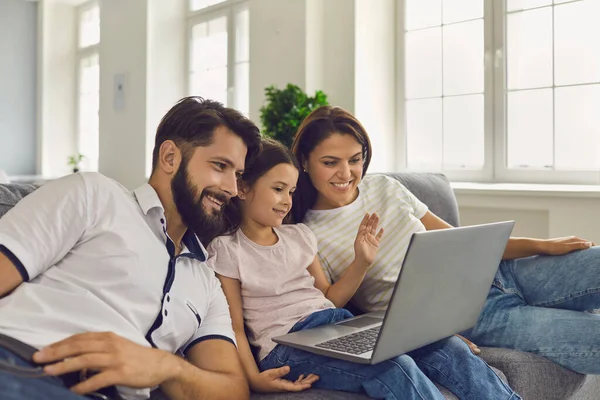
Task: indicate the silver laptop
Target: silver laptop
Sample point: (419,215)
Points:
(442,287)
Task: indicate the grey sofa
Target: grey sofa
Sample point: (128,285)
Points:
(532,376)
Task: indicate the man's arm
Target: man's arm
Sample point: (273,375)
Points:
(216,375)
(10,277)
(41,229)
(214,372)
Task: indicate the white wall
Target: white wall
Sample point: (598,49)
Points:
(57,87)
(375,95)
(18,34)
(123,52)
(330,50)
(277,47)
(167,65)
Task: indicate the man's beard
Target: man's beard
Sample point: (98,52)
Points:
(189,206)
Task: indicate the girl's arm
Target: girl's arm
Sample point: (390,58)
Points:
(342,291)
(366,246)
(269,380)
(521,247)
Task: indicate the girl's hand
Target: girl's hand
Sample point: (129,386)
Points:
(563,245)
(366,243)
(271,381)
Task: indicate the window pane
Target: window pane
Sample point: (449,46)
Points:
(242,88)
(200,4)
(578,127)
(423,13)
(88,107)
(424,63)
(89,27)
(463,58)
(515,5)
(529,49)
(463,132)
(462,10)
(211,84)
(529,129)
(242,35)
(576,51)
(208,75)
(424,132)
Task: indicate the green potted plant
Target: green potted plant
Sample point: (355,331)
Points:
(285,109)
(74,161)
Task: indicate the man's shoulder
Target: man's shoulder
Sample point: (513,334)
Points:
(101,188)
(205,274)
(97,180)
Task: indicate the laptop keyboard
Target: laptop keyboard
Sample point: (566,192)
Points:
(354,343)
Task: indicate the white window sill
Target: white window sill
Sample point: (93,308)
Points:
(525,189)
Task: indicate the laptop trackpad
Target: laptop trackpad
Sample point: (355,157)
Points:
(361,322)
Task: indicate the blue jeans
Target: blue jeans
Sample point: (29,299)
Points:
(448,362)
(546,305)
(20,380)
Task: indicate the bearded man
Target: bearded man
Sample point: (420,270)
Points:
(104,292)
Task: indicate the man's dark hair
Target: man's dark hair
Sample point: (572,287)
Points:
(192,121)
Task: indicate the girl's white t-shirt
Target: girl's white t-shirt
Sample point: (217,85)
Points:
(277,289)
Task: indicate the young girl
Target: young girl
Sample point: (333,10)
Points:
(274,284)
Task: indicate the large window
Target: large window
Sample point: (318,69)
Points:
(501,90)
(219,52)
(88,85)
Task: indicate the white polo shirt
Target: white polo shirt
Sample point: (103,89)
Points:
(96,257)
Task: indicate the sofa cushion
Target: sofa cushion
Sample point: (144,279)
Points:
(11,193)
(435,191)
(533,376)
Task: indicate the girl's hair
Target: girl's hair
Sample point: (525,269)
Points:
(318,126)
(272,154)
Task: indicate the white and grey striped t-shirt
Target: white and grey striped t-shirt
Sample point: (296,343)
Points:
(400,213)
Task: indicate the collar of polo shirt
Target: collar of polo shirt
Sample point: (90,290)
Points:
(148,199)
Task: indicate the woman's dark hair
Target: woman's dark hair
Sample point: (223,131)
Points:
(192,121)
(272,154)
(318,126)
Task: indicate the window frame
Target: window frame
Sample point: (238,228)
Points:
(82,53)
(495,167)
(227,9)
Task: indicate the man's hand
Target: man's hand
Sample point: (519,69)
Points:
(115,360)
(563,245)
(271,381)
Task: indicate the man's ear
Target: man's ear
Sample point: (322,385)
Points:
(169,157)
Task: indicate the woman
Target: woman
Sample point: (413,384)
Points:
(545,293)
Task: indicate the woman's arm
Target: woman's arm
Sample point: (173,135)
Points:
(269,380)
(521,247)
